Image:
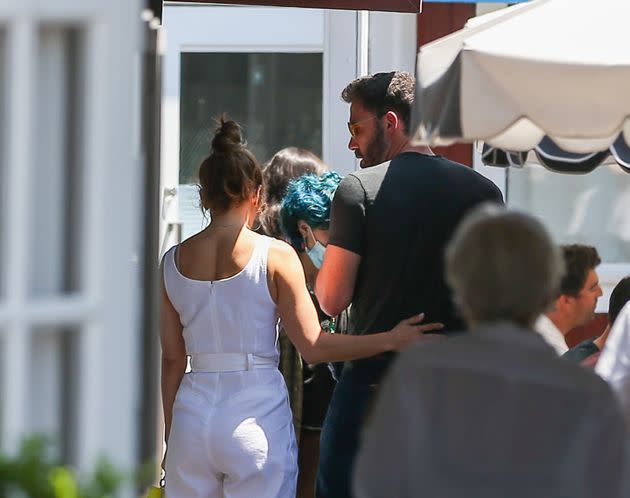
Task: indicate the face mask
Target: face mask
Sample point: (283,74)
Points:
(316,253)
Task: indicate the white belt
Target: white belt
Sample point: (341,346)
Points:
(229,362)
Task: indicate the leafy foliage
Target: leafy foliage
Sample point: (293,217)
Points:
(34,473)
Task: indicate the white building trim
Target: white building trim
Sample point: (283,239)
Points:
(69,265)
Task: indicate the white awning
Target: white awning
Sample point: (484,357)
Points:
(555,68)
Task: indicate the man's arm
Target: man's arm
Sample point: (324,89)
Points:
(336,279)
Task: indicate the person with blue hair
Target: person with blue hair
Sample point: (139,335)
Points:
(305,218)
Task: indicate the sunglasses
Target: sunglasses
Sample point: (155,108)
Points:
(355,127)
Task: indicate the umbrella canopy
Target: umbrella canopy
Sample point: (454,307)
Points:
(556,159)
(552,74)
(559,160)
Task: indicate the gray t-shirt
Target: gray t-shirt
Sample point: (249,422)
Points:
(493,414)
(399,216)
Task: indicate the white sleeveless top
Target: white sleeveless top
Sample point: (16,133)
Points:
(231,315)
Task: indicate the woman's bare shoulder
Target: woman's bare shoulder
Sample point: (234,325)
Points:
(280,246)
(282,255)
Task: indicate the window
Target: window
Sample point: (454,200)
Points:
(588,209)
(276,97)
(591,209)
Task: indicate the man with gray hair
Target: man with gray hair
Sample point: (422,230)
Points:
(484,415)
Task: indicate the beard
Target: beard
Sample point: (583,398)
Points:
(376,151)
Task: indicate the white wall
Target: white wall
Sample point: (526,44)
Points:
(392,42)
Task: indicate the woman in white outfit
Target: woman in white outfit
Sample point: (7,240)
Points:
(228,424)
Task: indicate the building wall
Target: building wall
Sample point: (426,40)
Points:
(72,197)
(435,21)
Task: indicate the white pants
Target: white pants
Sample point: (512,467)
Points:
(232,437)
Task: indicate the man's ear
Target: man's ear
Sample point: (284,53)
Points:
(392,120)
(563,301)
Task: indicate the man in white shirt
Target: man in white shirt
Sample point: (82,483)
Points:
(579,291)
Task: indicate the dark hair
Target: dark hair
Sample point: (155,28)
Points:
(308,198)
(284,166)
(618,298)
(231,173)
(578,261)
(383,92)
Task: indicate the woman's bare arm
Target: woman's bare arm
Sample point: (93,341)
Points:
(173,357)
(300,321)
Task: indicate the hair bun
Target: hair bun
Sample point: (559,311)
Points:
(227,137)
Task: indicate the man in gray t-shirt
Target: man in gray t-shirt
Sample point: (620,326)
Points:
(390,223)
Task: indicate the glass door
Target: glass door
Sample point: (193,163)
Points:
(272,70)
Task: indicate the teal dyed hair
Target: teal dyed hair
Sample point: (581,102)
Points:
(308,198)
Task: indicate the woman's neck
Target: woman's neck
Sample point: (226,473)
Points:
(234,218)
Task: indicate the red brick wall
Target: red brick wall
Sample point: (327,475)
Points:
(435,21)
(592,329)
(389,5)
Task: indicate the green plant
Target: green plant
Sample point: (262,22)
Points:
(34,473)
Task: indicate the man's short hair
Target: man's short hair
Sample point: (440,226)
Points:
(502,266)
(619,297)
(578,261)
(383,92)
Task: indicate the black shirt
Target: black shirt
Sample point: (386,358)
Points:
(399,216)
